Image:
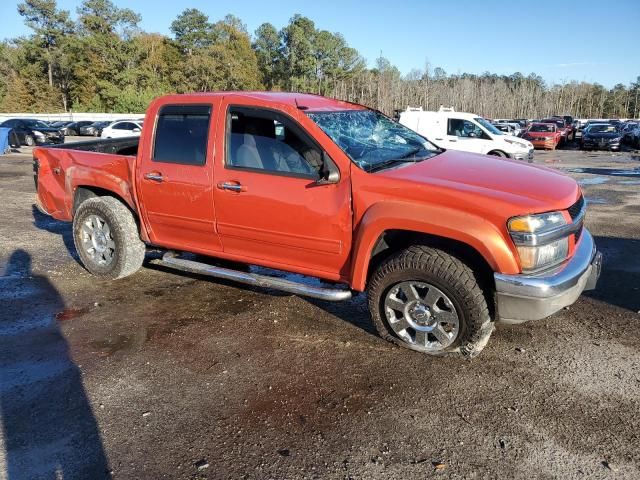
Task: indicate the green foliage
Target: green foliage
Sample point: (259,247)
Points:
(192,30)
(104,62)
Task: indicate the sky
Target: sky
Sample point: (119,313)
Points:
(561,40)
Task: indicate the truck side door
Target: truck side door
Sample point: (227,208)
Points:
(175,177)
(270,210)
(466,136)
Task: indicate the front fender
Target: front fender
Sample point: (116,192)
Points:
(479,233)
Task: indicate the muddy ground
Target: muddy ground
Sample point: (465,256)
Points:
(166,375)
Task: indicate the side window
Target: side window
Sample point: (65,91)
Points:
(10,123)
(463,128)
(181,134)
(118,126)
(269,141)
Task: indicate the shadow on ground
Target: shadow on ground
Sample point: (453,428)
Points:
(619,282)
(50,224)
(48,426)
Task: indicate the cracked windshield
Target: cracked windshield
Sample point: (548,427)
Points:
(373,141)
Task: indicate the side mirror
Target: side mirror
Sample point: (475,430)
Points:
(329,174)
(136,130)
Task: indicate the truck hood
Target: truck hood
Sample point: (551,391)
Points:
(530,187)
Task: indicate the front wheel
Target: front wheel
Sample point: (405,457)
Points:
(106,237)
(427,300)
(29,140)
(498,153)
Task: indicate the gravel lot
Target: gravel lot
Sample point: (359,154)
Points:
(167,375)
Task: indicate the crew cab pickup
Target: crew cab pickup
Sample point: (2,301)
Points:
(445,243)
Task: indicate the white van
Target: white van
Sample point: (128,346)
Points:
(465,131)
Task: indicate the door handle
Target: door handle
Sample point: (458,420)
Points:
(453,140)
(232,187)
(155,176)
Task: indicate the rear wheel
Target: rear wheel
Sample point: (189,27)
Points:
(106,237)
(427,300)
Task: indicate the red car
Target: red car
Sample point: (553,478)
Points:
(543,135)
(565,132)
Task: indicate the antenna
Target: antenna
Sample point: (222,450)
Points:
(298,106)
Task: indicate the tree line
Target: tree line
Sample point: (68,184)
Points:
(104,62)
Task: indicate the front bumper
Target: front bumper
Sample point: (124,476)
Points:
(543,143)
(521,298)
(598,145)
(528,155)
(49,140)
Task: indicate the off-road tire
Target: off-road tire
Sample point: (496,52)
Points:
(129,250)
(451,276)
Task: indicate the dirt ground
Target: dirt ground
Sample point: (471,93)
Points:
(167,375)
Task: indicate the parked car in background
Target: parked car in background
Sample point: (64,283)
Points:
(617,123)
(561,125)
(627,132)
(601,136)
(123,128)
(524,123)
(94,129)
(543,135)
(568,123)
(61,124)
(505,128)
(73,128)
(634,137)
(33,132)
(467,132)
(510,128)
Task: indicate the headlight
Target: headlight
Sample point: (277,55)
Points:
(537,224)
(515,142)
(38,133)
(531,234)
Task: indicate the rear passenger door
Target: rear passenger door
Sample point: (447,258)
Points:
(175,179)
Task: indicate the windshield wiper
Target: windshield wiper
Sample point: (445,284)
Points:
(411,153)
(393,161)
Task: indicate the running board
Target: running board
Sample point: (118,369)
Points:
(264,281)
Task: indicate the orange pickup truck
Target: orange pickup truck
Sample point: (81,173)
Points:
(445,243)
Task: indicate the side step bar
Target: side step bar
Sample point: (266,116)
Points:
(329,294)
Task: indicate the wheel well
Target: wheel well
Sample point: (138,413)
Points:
(84,193)
(392,241)
(498,153)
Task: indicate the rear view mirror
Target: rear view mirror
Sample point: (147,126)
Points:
(329,173)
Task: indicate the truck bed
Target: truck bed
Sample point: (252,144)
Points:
(118,146)
(105,164)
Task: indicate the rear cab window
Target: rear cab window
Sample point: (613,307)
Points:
(181,134)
